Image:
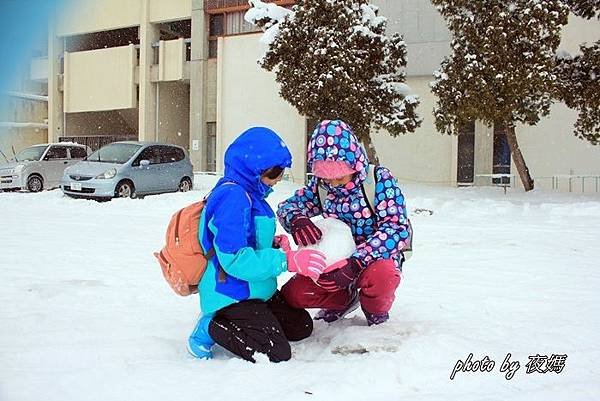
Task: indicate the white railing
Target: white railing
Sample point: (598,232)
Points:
(570,182)
(573,181)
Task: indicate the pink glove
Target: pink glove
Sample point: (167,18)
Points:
(307,262)
(282,242)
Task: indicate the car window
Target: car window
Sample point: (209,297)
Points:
(151,154)
(170,154)
(33,153)
(77,152)
(180,154)
(119,153)
(56,152)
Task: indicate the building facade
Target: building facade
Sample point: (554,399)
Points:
(186,72)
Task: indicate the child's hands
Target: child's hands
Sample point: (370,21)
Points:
(340,275)
(282,242)
(304,231)
(307,262)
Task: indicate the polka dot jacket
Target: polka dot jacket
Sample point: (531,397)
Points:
(379,236)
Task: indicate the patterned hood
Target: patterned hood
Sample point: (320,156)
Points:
(334,140)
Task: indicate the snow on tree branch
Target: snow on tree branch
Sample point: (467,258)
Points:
(266,16)
(502,62)
(333,59)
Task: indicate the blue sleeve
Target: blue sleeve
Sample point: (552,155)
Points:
(305,201)
(229,225)
(392,233)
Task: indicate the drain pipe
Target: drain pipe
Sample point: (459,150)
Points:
(157,110)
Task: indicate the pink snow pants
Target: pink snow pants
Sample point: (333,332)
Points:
(377,284)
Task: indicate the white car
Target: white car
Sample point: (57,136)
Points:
(40,167)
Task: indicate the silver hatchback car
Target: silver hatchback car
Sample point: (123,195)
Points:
(40,166)
(129,169)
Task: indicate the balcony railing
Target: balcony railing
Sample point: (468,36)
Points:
(219,6)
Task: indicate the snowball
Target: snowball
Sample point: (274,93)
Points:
(337,242)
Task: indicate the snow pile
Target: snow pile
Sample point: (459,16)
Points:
(337,242)
(86,314)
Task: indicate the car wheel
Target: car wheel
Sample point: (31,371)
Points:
(185,185)
(124,190)
(35,183)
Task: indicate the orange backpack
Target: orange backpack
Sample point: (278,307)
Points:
(182,259)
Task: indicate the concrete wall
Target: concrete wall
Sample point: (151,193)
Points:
(38,69)
(87,16)
(550,148)
(101,79)
(211,90)
(19,110)
(20,138)
(171,60)
(424,31)
(170,10)
(425,155)
(173,113)
(248,96)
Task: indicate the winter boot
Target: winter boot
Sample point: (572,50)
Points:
(376,318)
(331,315)
(200,342)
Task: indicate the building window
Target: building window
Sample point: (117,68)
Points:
(465,171)
(501,158)
(211,146)
(235,24)
(216,25)
(215,29)
(225,25)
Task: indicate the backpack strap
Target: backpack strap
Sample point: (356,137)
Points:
(321,193)
(369,193)
(227,183)
(368,190)
(211,252)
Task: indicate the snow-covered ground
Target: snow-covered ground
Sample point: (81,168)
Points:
(85,313)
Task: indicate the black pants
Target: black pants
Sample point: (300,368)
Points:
(256,326)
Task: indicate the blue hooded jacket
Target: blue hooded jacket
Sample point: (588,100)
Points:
(239,224)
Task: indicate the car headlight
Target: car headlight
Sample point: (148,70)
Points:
(108,174)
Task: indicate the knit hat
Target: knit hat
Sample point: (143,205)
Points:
(331,169)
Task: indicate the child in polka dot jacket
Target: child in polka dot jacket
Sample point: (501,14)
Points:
(372,273)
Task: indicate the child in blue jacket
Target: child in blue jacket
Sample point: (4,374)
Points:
(241,308)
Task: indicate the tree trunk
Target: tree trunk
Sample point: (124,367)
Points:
(517,157)
(370,148)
